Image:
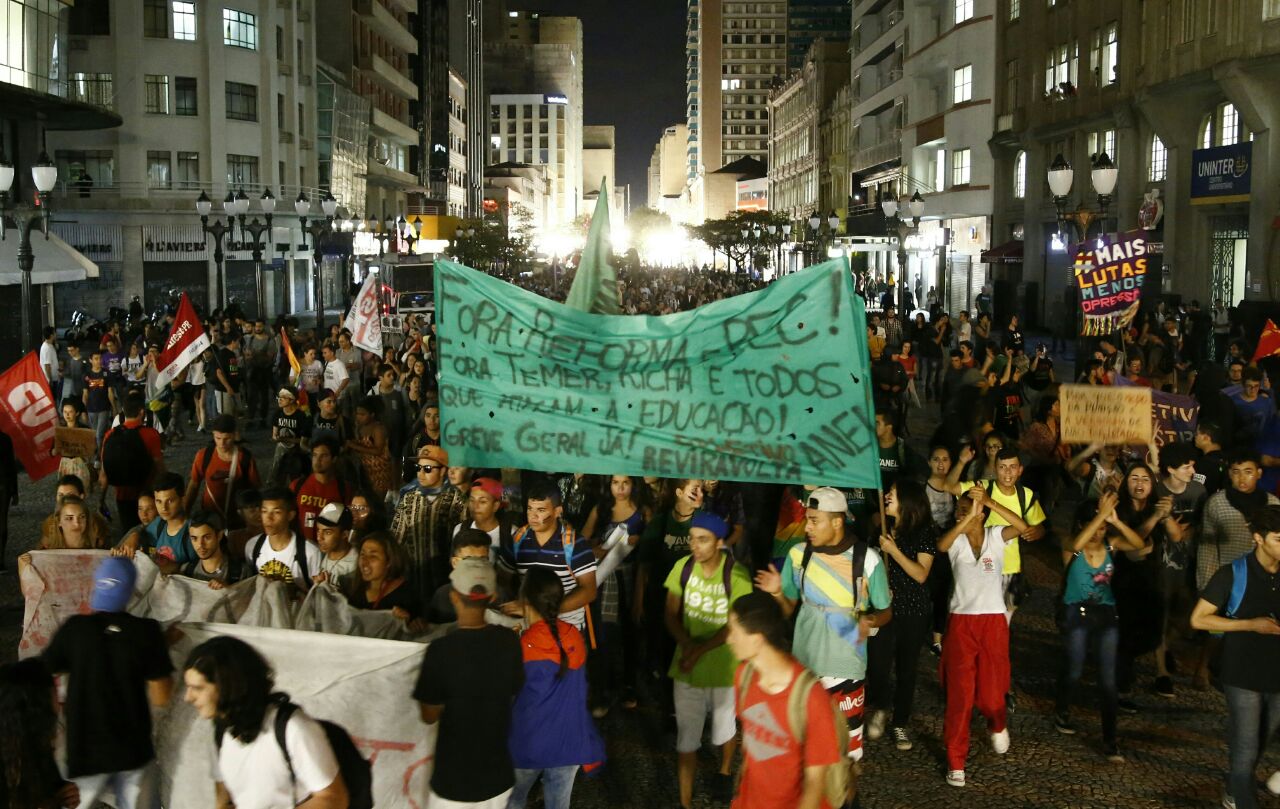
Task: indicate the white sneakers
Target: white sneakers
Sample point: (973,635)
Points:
(875,725)
(1273,783)
(955,778)
(1000,742)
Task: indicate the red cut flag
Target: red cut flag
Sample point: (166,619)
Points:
(28,415)
(187,340)
(1268,341)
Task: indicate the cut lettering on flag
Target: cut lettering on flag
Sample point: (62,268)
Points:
(28,415)
(595,287)
(1268,341)
(364,321)
(187,340)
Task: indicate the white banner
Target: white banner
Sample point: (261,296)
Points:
(364,321)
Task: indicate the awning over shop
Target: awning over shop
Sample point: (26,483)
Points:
(56,261)
(1007,253)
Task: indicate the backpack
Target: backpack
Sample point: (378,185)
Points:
(838,780)
(567,537)
(226,509)
(1239,581)
(687,572)
(299,556)
(356,770)
(1023,504)
(859,568)
(125,458)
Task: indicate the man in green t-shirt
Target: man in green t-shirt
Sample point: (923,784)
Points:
(700,589)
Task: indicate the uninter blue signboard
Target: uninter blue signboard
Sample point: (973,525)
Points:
(1221,174)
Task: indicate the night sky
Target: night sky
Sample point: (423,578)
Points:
(634,73)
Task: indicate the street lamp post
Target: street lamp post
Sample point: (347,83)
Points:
(219,230)
(255,229)
(317,228)
(26,219)
(1103,174)
(821,241)
(895,223)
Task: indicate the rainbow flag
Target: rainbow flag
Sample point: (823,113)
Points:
(303,401)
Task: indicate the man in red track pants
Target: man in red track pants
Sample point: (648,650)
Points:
(975,650)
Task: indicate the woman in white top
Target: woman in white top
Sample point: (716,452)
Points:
(975,649)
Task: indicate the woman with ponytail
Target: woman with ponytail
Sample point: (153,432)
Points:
(552,733)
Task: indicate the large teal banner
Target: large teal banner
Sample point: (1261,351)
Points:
(772,386)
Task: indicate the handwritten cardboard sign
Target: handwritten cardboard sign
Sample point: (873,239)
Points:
(1106,414)
(772,386)
(1110,273)
(74,442)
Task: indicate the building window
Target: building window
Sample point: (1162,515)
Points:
(1211,17)
(239,29)
(1159,161)
(1188,20)
(1230,125)
(964,10)
(188,169)
(91,168)
(1206,132)
(962,84)
(1020,175)
(1104,141)
(159,170)
(1062,67)
(1270,9)
(242,170)
(184,95)
(93,88)
(157,92)
(1110,54)
(155,18)
(184,20)
(1011,85)
(1015,9)
(242,102)
(960,167)
(88,18)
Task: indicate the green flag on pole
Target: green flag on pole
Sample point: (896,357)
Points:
(595,289)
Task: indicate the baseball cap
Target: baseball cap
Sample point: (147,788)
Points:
(434,454)
(489,486)
(474,579)
(710,521)
(113,584)
(827,499)
(334,515)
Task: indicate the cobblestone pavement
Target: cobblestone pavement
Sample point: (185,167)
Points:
(1174,747)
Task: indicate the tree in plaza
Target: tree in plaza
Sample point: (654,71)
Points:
(726,236)
(492,244)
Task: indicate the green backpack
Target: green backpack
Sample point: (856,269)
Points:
(840,782)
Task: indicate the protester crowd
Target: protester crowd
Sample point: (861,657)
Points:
(784,625)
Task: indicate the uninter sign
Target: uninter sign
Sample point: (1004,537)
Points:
(771,387)
(1221,174)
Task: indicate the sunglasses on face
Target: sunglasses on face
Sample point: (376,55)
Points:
(426,467)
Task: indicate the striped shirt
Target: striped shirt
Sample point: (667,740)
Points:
(522,557)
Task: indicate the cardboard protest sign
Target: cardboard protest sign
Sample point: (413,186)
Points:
(28,415)
(1105,414)
(1110,273)
(771,386)
(74,442)
(1173,417)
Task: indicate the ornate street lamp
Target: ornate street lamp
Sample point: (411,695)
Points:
(1102,174)
(220,230)
(26,219)
(895,223)
(318,228)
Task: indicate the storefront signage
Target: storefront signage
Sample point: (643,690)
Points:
(94,242)
(1221,174)
(174,243)
(555,99)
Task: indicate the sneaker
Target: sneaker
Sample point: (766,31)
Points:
(875,726)
(1164,686)
(1000,742)
(1112,752)
(1127,705)
(1063,725)
(935,649)
(900,739)
(721,787)
(1228,802)
(600,711)
(1273,783)
(1011,702)
(956,778)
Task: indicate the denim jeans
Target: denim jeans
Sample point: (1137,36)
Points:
(1076,638)
(132,789)
(927,376)
(557,786)
(1252,718)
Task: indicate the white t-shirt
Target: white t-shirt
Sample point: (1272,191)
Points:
(964,331)
(195,372)
(979,583)
(339,570)
(257,775)
(493,538)
(283,564)
(49,357)
(335,373)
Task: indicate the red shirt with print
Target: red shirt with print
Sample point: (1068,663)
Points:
(773,761)
(213,482)
(312,496)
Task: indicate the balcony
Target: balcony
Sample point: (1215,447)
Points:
(875,37)
(286,137)
(382,72)
(378,174)
(886,151)
(386,24)
(402,133)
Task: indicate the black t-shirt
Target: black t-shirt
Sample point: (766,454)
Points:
(1006,405)
(97,395)
(229,363)
(1040,375)
(1250,660)
(910,597)
(475,674)
(290,428)
(664,542)
(1211,470)
(109,657)
(404,596)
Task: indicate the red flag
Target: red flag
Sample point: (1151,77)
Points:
(187,340)
(1268,341)
(28,415)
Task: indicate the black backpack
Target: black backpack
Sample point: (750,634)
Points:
(357,772)
(125,458)
(299,556)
